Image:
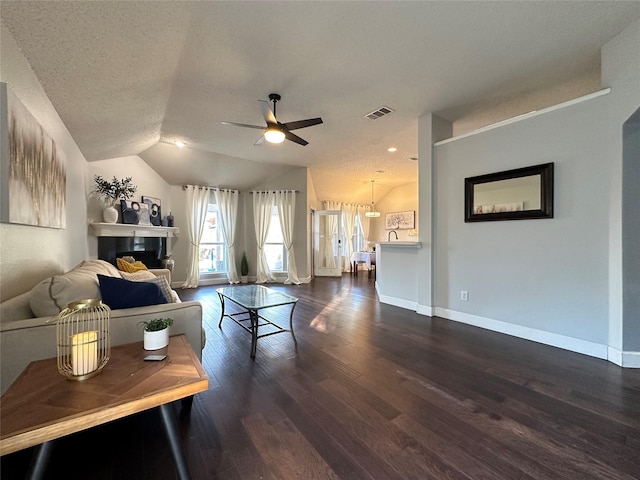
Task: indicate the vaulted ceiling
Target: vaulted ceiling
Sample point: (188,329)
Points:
(129,78)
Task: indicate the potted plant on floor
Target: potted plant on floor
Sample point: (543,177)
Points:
(244,269)
(111,192)
(156,333)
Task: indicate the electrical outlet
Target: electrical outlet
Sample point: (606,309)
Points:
(464,295)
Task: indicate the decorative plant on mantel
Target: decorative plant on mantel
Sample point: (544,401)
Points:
(111,192)
(115,189)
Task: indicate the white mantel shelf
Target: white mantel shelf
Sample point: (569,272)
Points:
(400,244)
(128,230)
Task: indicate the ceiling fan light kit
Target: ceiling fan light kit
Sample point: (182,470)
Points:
(273,135)
(276,132)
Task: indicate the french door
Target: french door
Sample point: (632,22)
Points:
(327,246)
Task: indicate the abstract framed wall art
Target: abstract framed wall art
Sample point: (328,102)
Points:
(155,213)
(33,178)
(135,213)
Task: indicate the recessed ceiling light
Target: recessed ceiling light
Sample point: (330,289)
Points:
(180,144)
(392,149)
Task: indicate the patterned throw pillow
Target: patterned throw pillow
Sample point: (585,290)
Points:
(147,276)
(130,267)
(164,287)
(139,276)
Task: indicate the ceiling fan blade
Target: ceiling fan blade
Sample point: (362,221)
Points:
(242,125)
(268,115)
(294,138)
(303,123)
(260,141)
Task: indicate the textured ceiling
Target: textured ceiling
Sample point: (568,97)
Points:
(125,77)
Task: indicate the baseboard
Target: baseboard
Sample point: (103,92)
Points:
(567,343)
(396,302)
(624,359)
(427,310)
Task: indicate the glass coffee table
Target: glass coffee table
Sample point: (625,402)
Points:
(254,298)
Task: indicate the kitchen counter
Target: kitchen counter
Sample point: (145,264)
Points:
(398,243)
(397,273)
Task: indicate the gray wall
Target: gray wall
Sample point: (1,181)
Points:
(547,274)
(631,233)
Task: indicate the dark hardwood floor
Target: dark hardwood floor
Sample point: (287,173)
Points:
(375,392)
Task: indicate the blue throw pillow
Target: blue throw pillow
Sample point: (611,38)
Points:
(120,293)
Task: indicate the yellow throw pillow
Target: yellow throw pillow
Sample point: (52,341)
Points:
(130,267)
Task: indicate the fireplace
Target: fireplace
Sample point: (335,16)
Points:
(148,250)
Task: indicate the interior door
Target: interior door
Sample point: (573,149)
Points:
(327,247)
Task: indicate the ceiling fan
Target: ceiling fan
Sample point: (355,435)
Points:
(276,132)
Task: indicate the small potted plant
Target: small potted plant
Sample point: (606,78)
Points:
(111,192)
(244,269)
(156,333)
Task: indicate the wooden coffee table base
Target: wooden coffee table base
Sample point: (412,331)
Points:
(42,406)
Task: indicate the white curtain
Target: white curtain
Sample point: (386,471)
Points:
(364,221)
(197,205)
(227,202)
(349,213)
(262,208)
(286,202)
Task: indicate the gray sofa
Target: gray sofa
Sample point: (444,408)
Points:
(26,336)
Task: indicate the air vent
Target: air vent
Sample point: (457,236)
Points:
(381,112)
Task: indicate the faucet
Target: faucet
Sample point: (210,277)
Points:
(389,236)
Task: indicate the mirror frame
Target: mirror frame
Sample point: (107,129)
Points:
(545,171)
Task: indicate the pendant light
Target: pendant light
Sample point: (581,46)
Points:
(373,212)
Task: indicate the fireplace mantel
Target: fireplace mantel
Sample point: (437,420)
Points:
(128,230)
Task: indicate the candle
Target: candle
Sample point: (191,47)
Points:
(84,352)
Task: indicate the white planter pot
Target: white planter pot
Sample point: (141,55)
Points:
(156,340)
(110,214)
(244,279)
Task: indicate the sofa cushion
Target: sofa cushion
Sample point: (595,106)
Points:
(140,276)
(120,293)
(53,294)
(147,276)
(130,267)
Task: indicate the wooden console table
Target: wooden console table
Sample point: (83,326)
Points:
(42,405)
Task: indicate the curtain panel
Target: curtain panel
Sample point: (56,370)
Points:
(227,202)
(262,206)
(286,202)
(197,205)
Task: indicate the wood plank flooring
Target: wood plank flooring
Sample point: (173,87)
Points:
(375,392)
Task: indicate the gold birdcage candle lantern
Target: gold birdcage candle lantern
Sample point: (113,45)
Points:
(83,339)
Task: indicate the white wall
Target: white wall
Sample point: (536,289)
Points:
(30,254)
(399,199)
(147,181)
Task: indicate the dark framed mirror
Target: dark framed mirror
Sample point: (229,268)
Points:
(520,194)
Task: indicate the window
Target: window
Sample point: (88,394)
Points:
(213,252)
(274,248)
(359,242)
